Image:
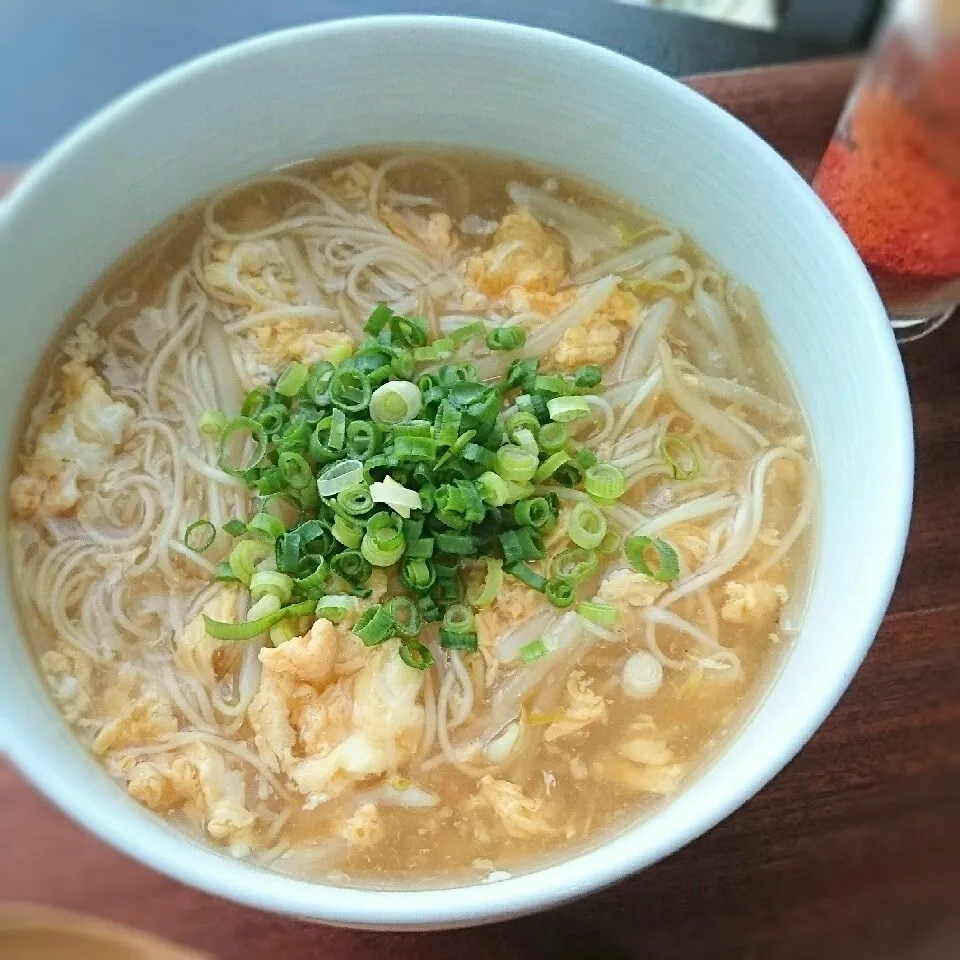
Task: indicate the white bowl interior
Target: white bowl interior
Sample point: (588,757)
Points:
(288,96)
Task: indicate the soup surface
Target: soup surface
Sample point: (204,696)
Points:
(576,372)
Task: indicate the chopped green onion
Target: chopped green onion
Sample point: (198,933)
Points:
(199,536)
(348,532)
(492,488)
(339,352)
(396,496)
(666,565)
(560,592)
(468,332)
(529,576)
(235,527)
(336,607)
(458,618)
(352,566)
(680,457)
(588,376)
(356,501)
(245,555)
(604,481)
(459,640)
(535,650)
(233,435)
(587,526)
(350,390)
(534,513)
(287,552)
(610,542)
(602,614)
(574,564)
(265,527)
(341,475)
(265,582)
(375,626)
(552,437)
(421,548)
(395,402)
(211,423)
(266,605)
(383,543)
(418,574)
(492,584)
(567,409)
(292,381)
(296,469)
(254,628)
(406,617)
(363,439)
(415,654)
(551,465)
(284,631)
(509,337)
(254,402)
(515,463)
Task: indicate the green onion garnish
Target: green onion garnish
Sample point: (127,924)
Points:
(395,402)
(560,592)
(253,628)
(604,481)
(335,607)
(602,614)
(509,337)
(587,526)
(535,650)
(375,626)
(680,457)
(199,536)
(567,409)
(666,565)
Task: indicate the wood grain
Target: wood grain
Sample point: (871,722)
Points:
(853,852)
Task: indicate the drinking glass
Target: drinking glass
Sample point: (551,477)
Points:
(891,172)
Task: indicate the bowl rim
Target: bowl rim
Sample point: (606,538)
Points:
(605,863)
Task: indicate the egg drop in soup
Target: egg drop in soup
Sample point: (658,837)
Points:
(410,517)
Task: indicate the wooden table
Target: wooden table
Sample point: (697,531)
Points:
(852,852)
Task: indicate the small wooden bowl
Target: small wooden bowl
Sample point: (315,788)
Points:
(29,932)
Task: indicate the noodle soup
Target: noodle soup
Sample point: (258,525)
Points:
(410,517)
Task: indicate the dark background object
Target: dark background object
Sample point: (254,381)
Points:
(61,60)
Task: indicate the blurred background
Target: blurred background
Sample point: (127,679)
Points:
(60,60)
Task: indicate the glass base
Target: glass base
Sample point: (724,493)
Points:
(908,329)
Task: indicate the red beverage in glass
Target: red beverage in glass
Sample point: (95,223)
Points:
(891,173)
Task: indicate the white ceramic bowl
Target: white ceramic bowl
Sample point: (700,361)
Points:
(287,96)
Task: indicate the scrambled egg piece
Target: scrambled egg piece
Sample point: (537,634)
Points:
(519,815)
(647,751)
(325,734)
(752,602)
(198,780)
(75,442)
(147,718)
(288,339)
(364,828)
(597,339)
(626,589)
(433,234)
(251,270)
(68,673)
(641,779)
(523,254)
(582,708)
(194,648)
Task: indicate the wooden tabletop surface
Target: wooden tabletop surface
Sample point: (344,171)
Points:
(852,852)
